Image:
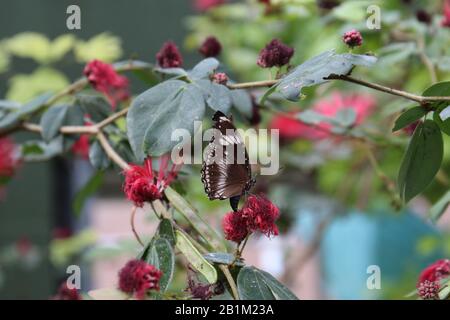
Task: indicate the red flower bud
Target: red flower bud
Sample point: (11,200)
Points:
(169,56)
(64,293)
(220,78)
(428,290)
(138,277)
(211,47)
(275,54)
(352,38)
(9,159)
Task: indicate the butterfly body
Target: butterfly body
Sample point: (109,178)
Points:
(226,171)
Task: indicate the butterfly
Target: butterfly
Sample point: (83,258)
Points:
(226,171)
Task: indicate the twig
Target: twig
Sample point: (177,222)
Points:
(426,60)
(112,154)
(133,214)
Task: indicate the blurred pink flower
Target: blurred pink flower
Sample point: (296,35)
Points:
(446,11)
(329,107)
(204,5)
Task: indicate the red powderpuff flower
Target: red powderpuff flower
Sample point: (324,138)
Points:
(142,184)
(64,293)
(211,47)
(81,147)
(169,56)
(138,277)
(428,290)
(436,271)
(205,5)
(446,11)
(9,158)
(261,215)
(234,226)
(290,128)
(275,53)
(106,80)
(352,38)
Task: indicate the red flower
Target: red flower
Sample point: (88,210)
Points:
(137,277)
(211,47)
(446,19)
(261,215)
(169,56)
(205,5)
(220,78)
(352,38)
(258,215)
(9,159)
(106,80)
(64,293)
(428,290)
(275,53)
(290,128)
(143,185)
(81,146)
(436,271)
(234,226)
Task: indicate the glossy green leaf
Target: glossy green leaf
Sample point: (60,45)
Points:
(190,214)
(438,209)
(251,285)
(97,156)
(316,70)
(222,258)
(161,256)
(218,97)
(165,230)
(52,120)
(87,191)
(409,117)
(97,107)
(44,151)
(204,69)
(241,100)
(421,161)
(195,258)
(442,117)
(143,110)
(280,291)
(178,112)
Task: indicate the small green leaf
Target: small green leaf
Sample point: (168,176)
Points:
(241,100)
(52,120)
(280,291)
(204,69)
(195,258)
(316,70)
(86,191)
(99,159)
(438,209)
(44,151)
(442,117)
(161,256)
(190,214)
(421,161)
(74,116)
(165,230)
(251,285)
(97,107)
(218,97)
(346,117)
(408,117)
(222,258)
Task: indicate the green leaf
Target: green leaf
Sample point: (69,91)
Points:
(86,191)
(195,258)
(218,97)
(13,118)
(161,256)
(191,215)
(280,291)
(442,117)
(143,110)
(241,100)
(346,117)
(222,258)
(408,117)
(311,117)
(52,120)
(165,230)
(255,284)
(421,161)
(74,116)
(179,111)
(251,285)
(204,69)
(316,70)
(177,72)
(99,159)
(438,209)
(41,151)
(97,107)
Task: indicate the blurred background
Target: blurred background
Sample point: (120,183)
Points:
(336,214)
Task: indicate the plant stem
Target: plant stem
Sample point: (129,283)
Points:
(133,214)
(112,154)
